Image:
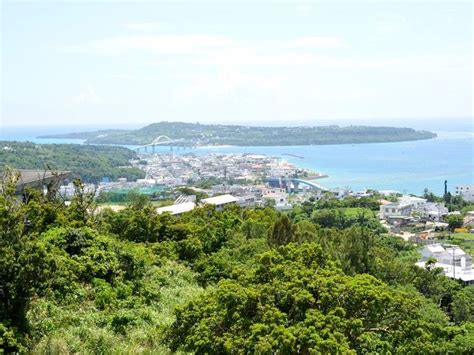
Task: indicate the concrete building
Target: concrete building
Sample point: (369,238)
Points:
(177,209)
(433,211)
(280,197)
(466,191)
(38,179)
(396,209)
(220,201)
(469,219)
(452,259)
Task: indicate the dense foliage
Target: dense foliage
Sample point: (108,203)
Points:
(89,162)
(209,281)
(250,135)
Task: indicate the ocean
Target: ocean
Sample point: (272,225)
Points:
(408,167)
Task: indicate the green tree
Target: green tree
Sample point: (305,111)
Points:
(281,232)
(454,221)
(82,207)
(24,266)
(463,305)
(295,300)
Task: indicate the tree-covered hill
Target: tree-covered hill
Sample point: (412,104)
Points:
(90,162)
(245,281)
(207,134)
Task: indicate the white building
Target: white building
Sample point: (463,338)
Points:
(177,209)
(453,260)
(433,211)
(466,191)
(396,209)
(417,202)
(408,206)
(220,201)
(280,198)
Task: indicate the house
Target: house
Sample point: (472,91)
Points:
(407,205)
(466,191)
(432,211)
(280,198)
(452,259)
(417,202)
(469,219)
(248,200)
(396,210)
(423,237)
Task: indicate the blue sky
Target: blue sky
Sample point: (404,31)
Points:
(113,63)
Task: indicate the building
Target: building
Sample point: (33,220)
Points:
(469,219)
(220,201)
(248,200)
(432,211)
(396,210)
(452,259)
(406,206)
(280,198)
(416,202)
(38,179)
(177,209)
(466,191)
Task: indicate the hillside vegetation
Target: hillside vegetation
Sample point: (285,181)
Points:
(91,163)
(201,134)
(233,281)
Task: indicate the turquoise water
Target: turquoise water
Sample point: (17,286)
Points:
(405,166)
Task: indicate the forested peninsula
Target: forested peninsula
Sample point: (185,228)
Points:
(213,134)
(90,163)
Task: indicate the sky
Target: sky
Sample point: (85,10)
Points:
(113,63)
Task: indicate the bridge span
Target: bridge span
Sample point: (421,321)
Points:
(164,140)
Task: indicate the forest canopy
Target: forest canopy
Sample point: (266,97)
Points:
(89,162)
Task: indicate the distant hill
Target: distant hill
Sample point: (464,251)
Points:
(212,134)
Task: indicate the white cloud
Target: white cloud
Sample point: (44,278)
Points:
(229,82)
(179,44)
(304,8)
(145,26)
(316,42)
(391,23)
(87,95)
(169,44)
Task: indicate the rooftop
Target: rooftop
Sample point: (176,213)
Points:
(177,209)
(220,200)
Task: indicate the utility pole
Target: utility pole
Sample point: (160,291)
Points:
(454,265)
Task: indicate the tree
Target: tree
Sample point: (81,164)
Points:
(463,305)
(297,301)
(454,221)
(23,266)
(429,196)
(82,206)
(281,232)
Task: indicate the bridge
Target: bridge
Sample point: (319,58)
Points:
(165,141)
(285,181)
